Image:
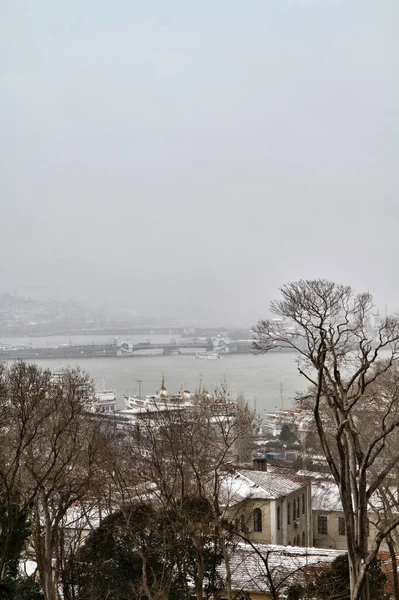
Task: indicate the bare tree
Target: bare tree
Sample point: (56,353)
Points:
(181,456)
(385,504)
(271,569)
(338,355)
(22,388)
(80,520)
(52,445)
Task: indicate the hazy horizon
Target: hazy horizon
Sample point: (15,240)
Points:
(198,155)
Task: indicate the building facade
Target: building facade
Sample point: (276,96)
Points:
(271,507)
(328,518)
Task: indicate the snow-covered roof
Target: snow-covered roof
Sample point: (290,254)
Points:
(83,517)
(261,485)
(325,496)
(285,563)
(316,475)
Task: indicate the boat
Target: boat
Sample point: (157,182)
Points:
(133,402)
(184,400)
(104,402)
(162,400)
(207,355)
(156,403)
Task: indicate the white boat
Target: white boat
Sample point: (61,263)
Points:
(134,402)
(104,402)
(207,355)
(162,400)
(156,403)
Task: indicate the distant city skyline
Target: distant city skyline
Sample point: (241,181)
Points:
(180,315)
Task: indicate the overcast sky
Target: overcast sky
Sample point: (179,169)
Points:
(198,153)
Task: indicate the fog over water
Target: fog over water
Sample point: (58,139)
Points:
(191,157)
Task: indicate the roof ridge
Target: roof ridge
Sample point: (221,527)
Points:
(253,482)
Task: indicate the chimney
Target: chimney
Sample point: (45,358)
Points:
(260,464)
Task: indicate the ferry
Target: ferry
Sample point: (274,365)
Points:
(104,402)
(162,400)
(184,400)
(156,402)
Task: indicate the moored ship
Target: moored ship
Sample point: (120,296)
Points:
(162,400)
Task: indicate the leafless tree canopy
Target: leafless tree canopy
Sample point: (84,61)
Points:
(49,451)
(180,458)
(354,387)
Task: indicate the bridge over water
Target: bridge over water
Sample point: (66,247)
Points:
(97,350)
(129,348)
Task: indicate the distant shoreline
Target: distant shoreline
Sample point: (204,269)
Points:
(117,332)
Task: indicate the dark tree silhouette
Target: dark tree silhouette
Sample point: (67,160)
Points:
(333,583)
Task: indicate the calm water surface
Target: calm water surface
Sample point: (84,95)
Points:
(257,377)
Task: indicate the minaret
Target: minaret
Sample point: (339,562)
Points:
(164,391)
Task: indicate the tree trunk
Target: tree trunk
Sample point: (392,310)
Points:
(48,588)
(44,549)
(200,567)
(355,510)
(359,585)
(394,562)
(49,583)
(226,559)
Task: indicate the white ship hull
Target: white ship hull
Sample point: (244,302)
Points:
(156,403)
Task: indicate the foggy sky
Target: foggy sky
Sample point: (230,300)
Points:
(198,153)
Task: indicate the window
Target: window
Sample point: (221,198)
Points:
(322,524)
(297,508)
(303,539)
(257,519)
(288,513)
(341,526)
(303,504)
(278,518)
